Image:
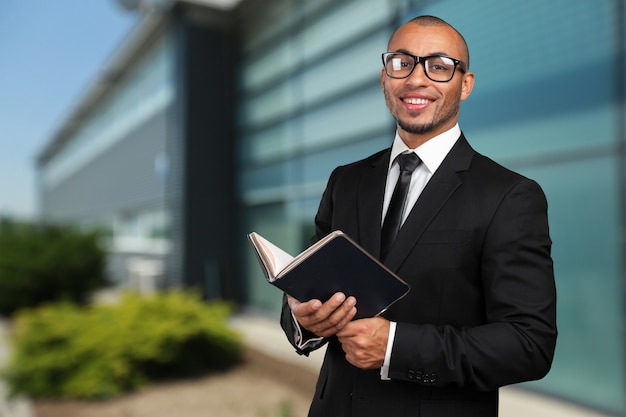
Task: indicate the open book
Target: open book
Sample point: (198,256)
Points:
(333,264)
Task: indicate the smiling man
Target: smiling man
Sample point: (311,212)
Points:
(471,238)
(425,103)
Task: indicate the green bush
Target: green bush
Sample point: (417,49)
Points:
(65,351)
(40,263)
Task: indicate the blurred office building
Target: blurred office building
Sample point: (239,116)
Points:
(216,118)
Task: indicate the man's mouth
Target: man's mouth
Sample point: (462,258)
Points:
(416,101)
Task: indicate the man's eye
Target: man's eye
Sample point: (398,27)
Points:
(440,64)
(399,64)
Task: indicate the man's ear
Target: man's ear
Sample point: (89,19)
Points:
(467,84)
(382,79)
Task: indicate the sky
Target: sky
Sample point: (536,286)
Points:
(50,52)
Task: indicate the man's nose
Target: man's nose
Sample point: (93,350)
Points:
(418,76)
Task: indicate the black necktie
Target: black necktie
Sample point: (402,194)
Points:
(393,220)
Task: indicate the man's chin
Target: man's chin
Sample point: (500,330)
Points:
(415,128)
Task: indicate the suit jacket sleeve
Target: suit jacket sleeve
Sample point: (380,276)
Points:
(300,338)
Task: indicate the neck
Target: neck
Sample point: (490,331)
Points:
(412,140)
(415,140)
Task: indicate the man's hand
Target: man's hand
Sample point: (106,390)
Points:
(324,319)
(365,342)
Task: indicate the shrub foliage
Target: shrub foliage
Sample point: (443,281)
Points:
(41,263)
(75,352)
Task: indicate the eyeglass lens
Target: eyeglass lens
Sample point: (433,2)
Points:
(438,68)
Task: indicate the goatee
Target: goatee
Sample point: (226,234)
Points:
(418,129)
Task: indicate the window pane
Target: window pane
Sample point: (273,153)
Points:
(583,210)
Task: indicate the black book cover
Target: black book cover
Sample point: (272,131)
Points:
(341,265)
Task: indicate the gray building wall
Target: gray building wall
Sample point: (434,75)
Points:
(123,178)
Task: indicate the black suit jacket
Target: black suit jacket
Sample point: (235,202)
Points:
(481,311)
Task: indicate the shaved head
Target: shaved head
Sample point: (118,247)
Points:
(434,21)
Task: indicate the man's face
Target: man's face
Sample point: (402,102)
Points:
(424,108)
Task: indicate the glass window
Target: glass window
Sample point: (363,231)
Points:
(583,210)
(146,90)
(270,105)
(345,69)
(268,144)
(271,222)
(274,64)
(343,24)
(579,132)
(353,115)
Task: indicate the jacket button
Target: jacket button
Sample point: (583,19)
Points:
(430,378)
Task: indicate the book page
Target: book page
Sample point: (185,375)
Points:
(276,258)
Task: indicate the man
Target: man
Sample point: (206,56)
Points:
(474,246)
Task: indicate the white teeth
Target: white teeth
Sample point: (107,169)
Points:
(416,101)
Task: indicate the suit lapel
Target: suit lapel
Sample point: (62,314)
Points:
(437,192)
(370,203)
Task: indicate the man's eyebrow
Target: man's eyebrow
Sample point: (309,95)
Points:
(404,51)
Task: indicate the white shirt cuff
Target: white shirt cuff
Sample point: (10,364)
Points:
(300,342)
(384,370)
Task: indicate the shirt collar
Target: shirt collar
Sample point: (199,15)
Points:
(432,152)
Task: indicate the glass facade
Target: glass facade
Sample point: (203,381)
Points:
(101,149)
(146,91)
(548,102)
(107,169)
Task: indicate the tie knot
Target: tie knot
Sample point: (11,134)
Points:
(408,161)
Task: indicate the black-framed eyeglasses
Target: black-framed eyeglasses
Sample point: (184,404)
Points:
(439,68)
